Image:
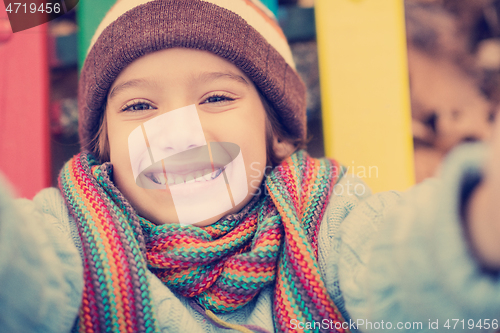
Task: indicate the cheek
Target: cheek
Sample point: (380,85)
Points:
(246,128)
(117,144)
(119,152)
(254,149)
(250,135)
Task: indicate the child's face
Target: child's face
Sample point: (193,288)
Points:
(214,91)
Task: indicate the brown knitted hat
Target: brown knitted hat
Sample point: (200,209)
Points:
(240,31)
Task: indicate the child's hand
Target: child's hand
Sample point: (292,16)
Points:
(483,210)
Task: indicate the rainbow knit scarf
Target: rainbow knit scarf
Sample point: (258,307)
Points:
(273,240)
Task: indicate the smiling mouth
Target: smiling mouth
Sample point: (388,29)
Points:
(171,179)
(195,165)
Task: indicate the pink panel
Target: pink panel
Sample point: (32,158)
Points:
(24,100)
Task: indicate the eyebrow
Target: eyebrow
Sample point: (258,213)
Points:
(131,84)
(205,77)
(212,76)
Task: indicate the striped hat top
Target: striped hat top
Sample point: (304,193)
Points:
(244,32)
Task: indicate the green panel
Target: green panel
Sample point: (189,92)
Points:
(272,5)
(89,14)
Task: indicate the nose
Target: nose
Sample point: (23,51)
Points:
(174,132)
(181,135)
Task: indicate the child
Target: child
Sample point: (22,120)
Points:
(118,247)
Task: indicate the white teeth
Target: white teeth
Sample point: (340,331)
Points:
(170,179)
(189,179)
(161,178)
(208,174)
(179,180)
(198,176)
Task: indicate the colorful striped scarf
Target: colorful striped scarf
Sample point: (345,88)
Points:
(222,267)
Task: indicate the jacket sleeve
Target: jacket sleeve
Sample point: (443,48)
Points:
(403,258)
(41,277)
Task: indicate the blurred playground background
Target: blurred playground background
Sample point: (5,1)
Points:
(450,60)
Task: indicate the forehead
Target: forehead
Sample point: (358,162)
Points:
(178,65)
(181,63)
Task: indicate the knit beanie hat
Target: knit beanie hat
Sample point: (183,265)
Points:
(244,32)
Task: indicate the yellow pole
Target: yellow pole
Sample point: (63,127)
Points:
(365,89)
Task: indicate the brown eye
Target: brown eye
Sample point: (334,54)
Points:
(218,99)
(138,106)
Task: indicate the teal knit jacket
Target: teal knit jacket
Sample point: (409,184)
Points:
(396,262)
